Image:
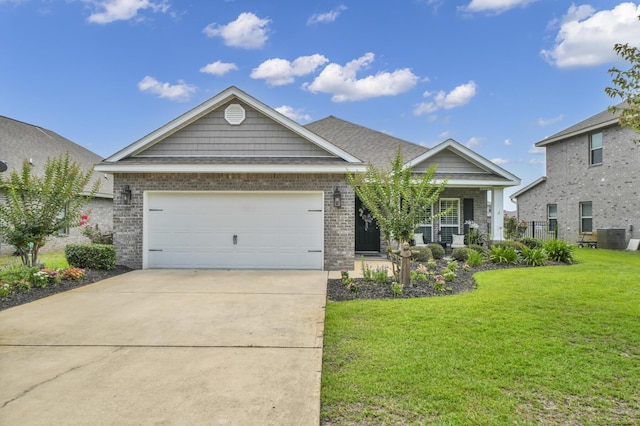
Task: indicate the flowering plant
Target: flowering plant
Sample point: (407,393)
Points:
(474,236)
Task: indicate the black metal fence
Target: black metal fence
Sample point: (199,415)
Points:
(542,230)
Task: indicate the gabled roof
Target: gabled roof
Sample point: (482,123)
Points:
(369,145)
(208,106)
(595,122)
(21,141)
(494,174)
(532,185)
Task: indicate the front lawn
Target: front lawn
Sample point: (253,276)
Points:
(547,345)
(52,260)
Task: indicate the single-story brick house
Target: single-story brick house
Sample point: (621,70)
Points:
(235,184)
(21,141)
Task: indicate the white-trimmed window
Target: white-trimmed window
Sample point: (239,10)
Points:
(426,227)
(586,216)
(595,148)
(449,222)
(552,217)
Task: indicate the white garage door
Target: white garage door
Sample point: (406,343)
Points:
(243,230)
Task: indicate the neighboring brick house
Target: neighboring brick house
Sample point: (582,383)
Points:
(235,184)
(21,141)
(592,181)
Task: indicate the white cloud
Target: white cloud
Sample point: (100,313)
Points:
(278,72)
(247,32)
(536,150)
(323,18)
(542,122)
(508,142)
(459,96)
(474,142)
(536,161)
(218,68)
(495,6)
(586,37)
(180,92)
(343,84)
(499,161)
(122,10)
(292,113)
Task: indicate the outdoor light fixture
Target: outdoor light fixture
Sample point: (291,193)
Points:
(337,198)
(126,195)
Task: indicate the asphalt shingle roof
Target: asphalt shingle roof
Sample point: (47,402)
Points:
(601,119)
(368,145)
(22,141)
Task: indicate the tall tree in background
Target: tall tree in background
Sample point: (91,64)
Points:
(627,87)
(36,207)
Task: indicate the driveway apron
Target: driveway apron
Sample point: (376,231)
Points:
(166,347)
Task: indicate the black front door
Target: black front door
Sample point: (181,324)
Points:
(367,232)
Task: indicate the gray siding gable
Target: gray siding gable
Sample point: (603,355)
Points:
(448,162)
(257,136)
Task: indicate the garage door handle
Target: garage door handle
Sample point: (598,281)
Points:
(314,251)
(319,210)
(235,240)
(156,210)
(155,249)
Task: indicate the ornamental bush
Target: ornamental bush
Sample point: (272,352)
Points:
(421,254)
(559,250)
(534,256)
(91,256)
(516,245)
(502,254)
(460,254)
(532,242)
(475,258)
(436,250)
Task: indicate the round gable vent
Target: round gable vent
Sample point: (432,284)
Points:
(234,114)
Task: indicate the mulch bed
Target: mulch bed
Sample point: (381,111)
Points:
(90,277)
(463,282)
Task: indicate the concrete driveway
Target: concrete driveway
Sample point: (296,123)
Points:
(168,347)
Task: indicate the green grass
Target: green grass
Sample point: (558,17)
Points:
(550,345)
(52,260)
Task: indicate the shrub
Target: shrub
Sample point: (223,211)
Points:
(502,254)
(534,256)
(532,242)
(396,289)
(436,250)
(448,275)
(380,275)
(460,254)
(475,258)
(452,265)
(480,249)
(19,276)
(91,256)
(559,250)
(421,253)
(516,245)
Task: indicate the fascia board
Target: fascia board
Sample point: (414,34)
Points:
(213,103)
(589,129)
(463,183)
(533,184)
(224,168)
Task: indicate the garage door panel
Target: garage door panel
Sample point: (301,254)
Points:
(272,230)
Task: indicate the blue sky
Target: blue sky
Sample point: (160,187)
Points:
(495,75)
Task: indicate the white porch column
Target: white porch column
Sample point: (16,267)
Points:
(497,214)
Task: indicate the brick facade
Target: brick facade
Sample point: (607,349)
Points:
(339,233)
(100,212)
(613,187)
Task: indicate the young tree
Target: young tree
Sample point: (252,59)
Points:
(396,198)
(627,87)
(36,207)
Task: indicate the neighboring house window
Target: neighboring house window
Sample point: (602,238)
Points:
(63,231)
(450,222)
(426,227)
(586,217)
(552,217)
(595,149)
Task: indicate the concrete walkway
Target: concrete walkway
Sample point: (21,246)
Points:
(168,347)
